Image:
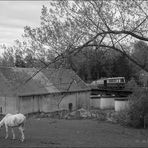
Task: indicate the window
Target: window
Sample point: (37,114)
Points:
(113,80)
(122,80)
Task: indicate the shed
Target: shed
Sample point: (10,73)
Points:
(48,90)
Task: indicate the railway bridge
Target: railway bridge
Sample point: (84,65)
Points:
(109,98)
(111,92)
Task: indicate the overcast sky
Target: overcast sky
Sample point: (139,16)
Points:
(15,15)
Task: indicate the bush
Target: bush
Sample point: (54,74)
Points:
(131,85)
(123,117)
(138,107)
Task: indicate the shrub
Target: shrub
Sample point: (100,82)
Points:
(138,107)
(131,85)
(101,116)
(123,117)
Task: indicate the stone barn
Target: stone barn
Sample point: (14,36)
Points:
(22,90)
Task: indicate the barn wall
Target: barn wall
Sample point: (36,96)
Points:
(25,105)
(95,102)
(29,104)
(11,105)
(71,98)
(83,100)
(2,105)
(38,103)
(8,105)
(49,103)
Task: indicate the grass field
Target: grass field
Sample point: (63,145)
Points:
(75,133)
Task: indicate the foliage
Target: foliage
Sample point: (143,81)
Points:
(131,85)
(138,107)
(89,64)
(94,29)
(140,53)
(67,27)
(122,67)
(21,55)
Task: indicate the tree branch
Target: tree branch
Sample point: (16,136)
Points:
(118,50)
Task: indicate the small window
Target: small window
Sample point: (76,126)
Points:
(113,80)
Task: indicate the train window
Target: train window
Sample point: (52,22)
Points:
(122,80)
(113,80)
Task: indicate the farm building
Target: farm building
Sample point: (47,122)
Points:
(49,90)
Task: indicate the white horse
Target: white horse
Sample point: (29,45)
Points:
(17,120)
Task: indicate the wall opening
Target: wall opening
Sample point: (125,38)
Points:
(70,105)
(1,110)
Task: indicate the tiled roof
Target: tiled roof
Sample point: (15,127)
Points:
(15,81)
(5,87)
(65,79)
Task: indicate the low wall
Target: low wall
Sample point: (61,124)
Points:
(107,102)
(121,103)
(95,101)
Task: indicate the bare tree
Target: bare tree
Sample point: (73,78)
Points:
(68,27)
(73,25)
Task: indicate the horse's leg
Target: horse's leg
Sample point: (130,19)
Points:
(13,134)
(6,131)
(22,133)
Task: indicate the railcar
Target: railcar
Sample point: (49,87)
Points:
(110,83)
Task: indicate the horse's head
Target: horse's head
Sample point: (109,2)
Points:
(1,124)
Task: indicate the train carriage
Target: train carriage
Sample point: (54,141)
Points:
(110,83)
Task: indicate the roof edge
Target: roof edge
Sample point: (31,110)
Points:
(38,94)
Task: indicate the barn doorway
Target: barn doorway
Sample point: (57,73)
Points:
(70,105)
(1,110)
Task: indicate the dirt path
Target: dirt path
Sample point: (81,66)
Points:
(76,133)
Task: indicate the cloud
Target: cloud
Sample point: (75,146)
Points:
(15,15)
(8,35)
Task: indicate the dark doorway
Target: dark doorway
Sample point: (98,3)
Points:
(70,107)
(1,111)
(105,83)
